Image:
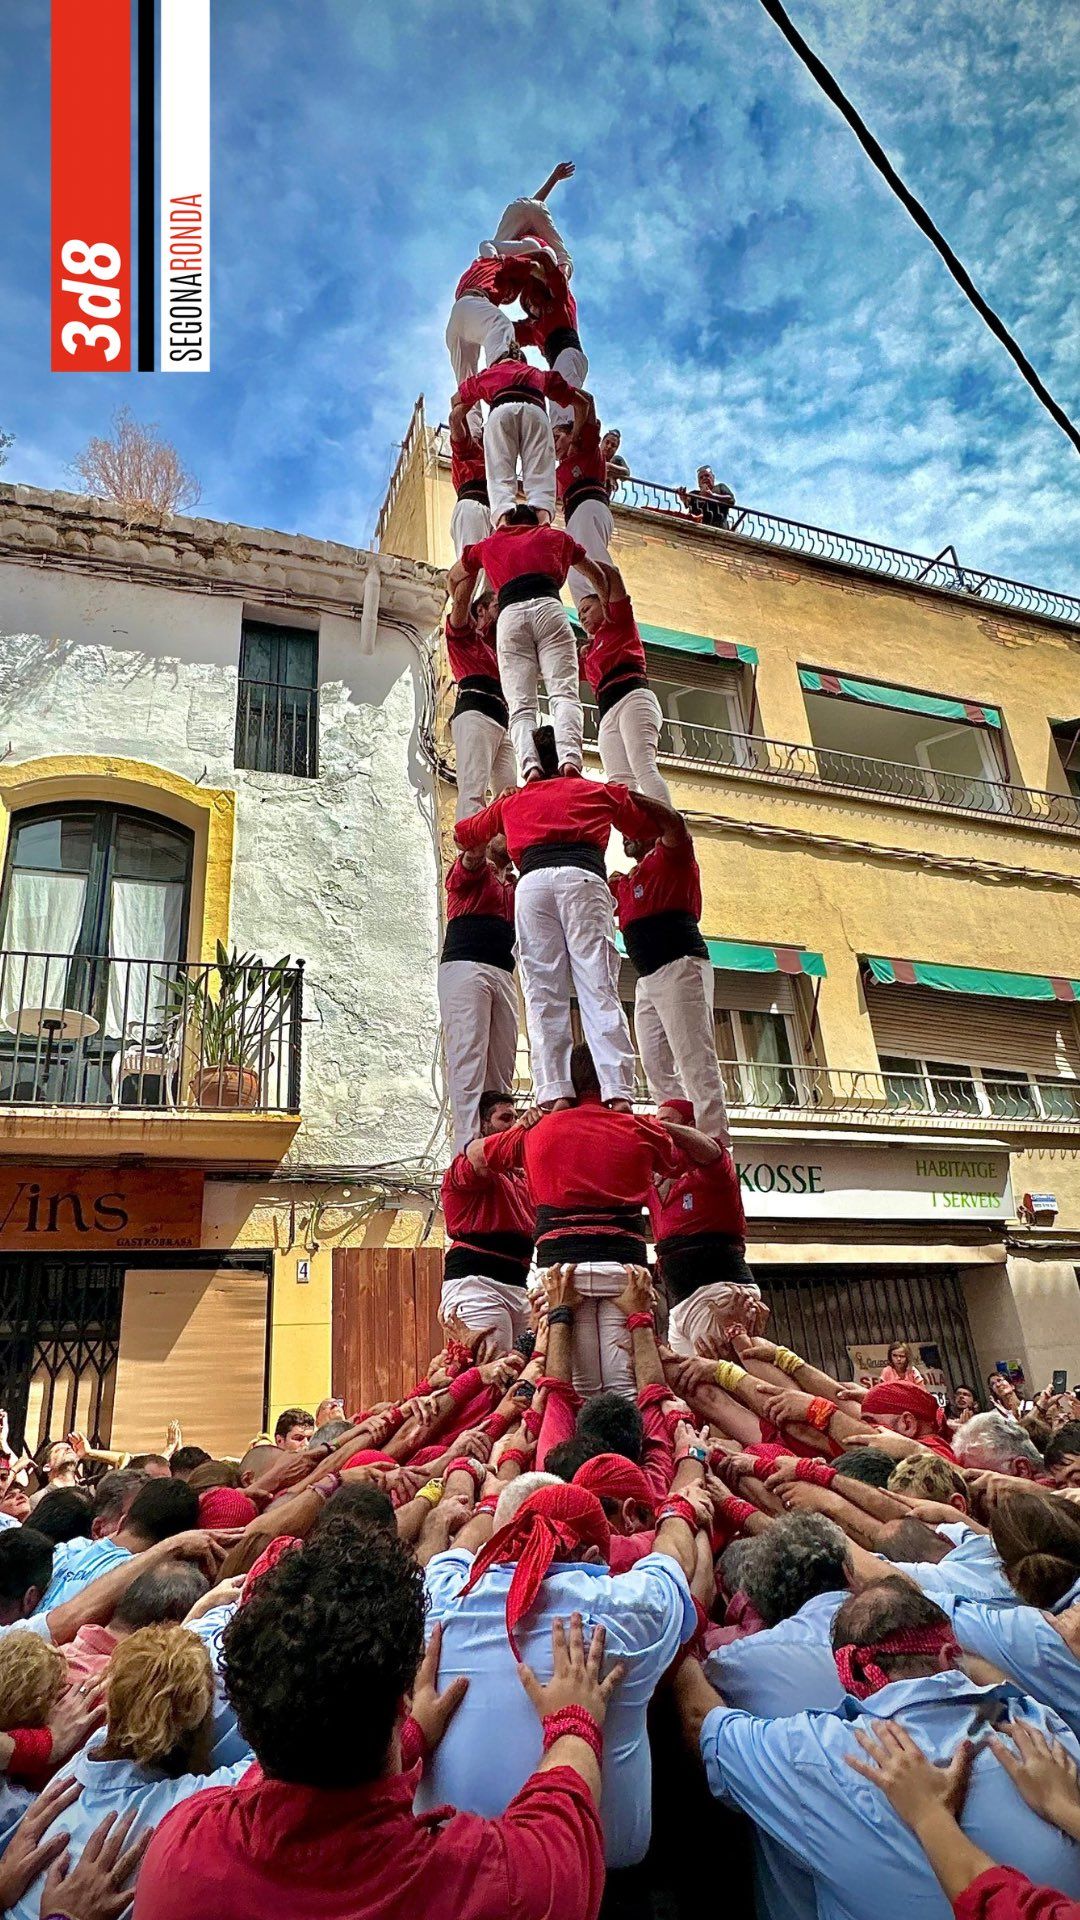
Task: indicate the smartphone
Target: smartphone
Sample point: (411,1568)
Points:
(1060,1380)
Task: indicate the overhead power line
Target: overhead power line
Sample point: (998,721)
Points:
(832,89)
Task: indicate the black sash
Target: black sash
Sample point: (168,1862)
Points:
(481,693)
(480,937)
(529,586)
(528,394)
(656,938)
(474,490)
(615,684)
(582,490)
(496,1256)
(591,1233)
(558,340)
(688,1261)
(563,853)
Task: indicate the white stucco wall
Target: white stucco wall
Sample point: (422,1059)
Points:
(339,871)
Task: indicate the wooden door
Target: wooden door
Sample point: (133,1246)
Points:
(385,1320)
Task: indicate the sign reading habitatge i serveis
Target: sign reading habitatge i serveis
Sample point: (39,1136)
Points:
(873,1183)
(67,1209)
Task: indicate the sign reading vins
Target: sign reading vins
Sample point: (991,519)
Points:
(66,1209)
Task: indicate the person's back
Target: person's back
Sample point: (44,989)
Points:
(590,1155)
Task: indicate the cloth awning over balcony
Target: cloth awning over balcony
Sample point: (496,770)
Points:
(986,980)
(751,956)
(873,694)
(673,640)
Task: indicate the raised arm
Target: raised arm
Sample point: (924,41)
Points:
(564,171)
(596,574)
(696,1145)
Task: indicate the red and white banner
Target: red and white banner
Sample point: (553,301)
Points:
(184,188)
(90,272)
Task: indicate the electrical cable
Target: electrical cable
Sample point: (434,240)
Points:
(834,92)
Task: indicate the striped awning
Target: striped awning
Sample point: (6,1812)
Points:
(674,640)
(985,980)
(753,956)
(873,694)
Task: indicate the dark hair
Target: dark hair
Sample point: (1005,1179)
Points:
(161,1594)
(1038,1538)
(26,1559)
(912,1539)
(889,1606)
(316,1663)
(565,1459)
(356,1505)
(616,1423)
(293,1417)
(1064,1442)
(868,1464)
(547,752)
(140,1461)
(64,1513)
(490,1100)
(214,1473)
(115,1491)
(162,1508)
(801,1555)
(520,516)
(331,1433)
(186,1459)
(583,1075)
(482,599)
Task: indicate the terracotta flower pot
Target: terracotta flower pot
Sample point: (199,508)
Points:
(225,1086)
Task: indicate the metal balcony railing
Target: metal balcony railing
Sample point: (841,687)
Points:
(277,728)
(84,1030)
(776,1089)
(712,748)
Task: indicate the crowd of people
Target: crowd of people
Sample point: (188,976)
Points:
(624,1592)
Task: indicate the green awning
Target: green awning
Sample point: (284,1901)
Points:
(750,956)
(985,980)
(873,694)
(675,641)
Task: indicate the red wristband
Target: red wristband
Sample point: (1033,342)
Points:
(734,1511)
(815,1471)
(487,1505)
(458,1356)
(819,1413)
(418,1392)
(532,1422)
(498,1423)
(463,1464)
(578,1722)
(676,1508)
(465,1386)
(396,1415)
(636,1320)
(32,1751)
(518,1455)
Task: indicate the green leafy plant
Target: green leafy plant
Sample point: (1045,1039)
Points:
(234,1006)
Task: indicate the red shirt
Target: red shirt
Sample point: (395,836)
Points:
(512,551)
(560,311)
(616,646)
(585,466)
(587,1156)
(516,376)
(265,1850)
(470,653)
(498,280)
(485,1203)
(1004,1893)
(699,1200)
(549,812)
(665,880)
(478,890)
(466,464)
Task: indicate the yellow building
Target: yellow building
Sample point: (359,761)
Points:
(877,754)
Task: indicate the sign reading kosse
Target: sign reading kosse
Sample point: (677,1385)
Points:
(825,1182)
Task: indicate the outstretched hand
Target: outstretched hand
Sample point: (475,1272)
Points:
(575,1681)
(97,1886)
(432,1710)
(28,1854)
(1042,1773)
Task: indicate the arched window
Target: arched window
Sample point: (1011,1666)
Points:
(93,919)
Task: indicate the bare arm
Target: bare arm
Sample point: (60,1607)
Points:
(564,171)
(596,574)
(584,410)
(697,1146)
(97,1603)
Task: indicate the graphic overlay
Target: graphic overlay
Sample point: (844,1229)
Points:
(184,187)
(90,272)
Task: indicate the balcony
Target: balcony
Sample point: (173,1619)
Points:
(171,1060)
(713,750)
(850,1096)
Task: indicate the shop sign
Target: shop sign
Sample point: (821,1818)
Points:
(802,1180)
(99,1209)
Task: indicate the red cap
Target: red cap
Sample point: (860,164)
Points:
(611,1476)
(226,1507)
(681,1110)
(284,1543)
(904,1397)
(552,1521)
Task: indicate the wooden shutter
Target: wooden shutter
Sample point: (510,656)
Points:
(1029,1037)
(385,1320)
(192,1348)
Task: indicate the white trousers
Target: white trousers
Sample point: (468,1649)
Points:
(476,325)
(709,1311)
(602,1350)
(574,367)
(533,640)
(522,220)
(627,738)
(485,761)
(501,1310)
(566,946)
(676,1036)
(478,1006)
(519,433)
(592,525)
(470,523)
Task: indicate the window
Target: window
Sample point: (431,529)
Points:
(913,1085)
(277,703)
(912,755)
(760,1043)
(1067,740)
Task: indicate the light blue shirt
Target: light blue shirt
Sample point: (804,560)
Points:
(8,1520)
(790,1776)
(1023,1643)
(116,1786)
(36,1623)
(229,1745)
(493,1743)
(76,1563)
(14,1801)
(972,1571)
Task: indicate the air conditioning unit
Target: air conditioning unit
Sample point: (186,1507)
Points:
(1040,1209)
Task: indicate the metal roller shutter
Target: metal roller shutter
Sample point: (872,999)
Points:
(1030,1037)
(695,670)
(821,1314)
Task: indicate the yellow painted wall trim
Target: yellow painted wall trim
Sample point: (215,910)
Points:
(209,812)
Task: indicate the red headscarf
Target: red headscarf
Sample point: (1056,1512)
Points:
(859,1671)
(284,1543)
(611,1476)
(902,1397)
(680,1110)
(226,1507)
(552,1521)
(370,1457)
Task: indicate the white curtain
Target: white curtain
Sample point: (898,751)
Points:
(144,925)
(44,914)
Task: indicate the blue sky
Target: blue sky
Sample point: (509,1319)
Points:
(751,294)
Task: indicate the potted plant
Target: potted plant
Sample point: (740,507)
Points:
(230,1011)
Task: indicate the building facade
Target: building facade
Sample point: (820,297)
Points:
(218,947)
(877,754)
